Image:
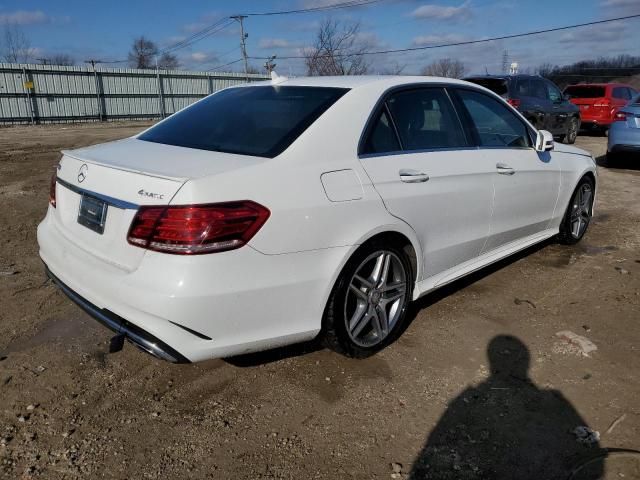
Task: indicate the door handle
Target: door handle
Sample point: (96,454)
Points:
(504,169)
(408,175)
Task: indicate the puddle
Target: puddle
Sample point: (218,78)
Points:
(563,257)
(594,250)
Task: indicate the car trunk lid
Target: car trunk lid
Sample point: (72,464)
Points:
(100,188)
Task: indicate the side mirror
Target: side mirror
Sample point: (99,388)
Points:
(544,141)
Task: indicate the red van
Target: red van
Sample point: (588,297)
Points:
(599,102)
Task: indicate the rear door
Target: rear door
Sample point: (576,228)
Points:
(526,182)
(426,171)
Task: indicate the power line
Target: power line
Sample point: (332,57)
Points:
(468,42)
(199,35)
(225,65)
(335,6)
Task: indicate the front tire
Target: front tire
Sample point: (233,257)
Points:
(578,215)
(573,126)
(368,305)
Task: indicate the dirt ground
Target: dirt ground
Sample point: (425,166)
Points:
(430,406)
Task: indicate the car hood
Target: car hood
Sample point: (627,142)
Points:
(561,147)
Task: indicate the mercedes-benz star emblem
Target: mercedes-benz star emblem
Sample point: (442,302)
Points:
(82,173)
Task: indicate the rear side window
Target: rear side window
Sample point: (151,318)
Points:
(258,121)
(425,119)
(382,137)
(495,125)
(584,91)
(538,88)
(496,85)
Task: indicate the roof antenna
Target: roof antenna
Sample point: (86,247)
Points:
(276,79)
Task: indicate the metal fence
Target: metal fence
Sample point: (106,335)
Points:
(45,94)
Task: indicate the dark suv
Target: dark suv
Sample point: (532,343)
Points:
(539,100)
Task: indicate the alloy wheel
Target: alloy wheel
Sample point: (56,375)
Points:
(376,298)
(581,209)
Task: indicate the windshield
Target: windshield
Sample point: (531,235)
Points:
(579,91)
(259,121)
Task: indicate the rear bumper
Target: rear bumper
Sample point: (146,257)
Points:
(622,138)
(200,307)
(142,339)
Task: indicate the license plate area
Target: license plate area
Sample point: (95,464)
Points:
(92,213)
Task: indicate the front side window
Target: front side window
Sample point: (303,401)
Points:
(494,124)
(425,119)
(259,121)
(554,94)
(621,93)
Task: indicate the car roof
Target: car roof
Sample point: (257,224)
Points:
(355,81)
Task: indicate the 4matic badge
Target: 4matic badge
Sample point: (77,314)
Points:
(143,193)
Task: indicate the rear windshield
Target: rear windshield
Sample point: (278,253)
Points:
(579,91)
(496,85)
(259,121)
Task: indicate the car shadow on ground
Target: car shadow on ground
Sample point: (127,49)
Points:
(507,428)
(626,162)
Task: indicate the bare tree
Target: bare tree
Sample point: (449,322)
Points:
(394,68)
(338,50)
(17,47)
(61,59)
(142,54)
(168,61)
(445,67)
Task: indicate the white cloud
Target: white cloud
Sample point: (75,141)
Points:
(26,17)
(426,40)
(271,43)
(441,12)
(199,56)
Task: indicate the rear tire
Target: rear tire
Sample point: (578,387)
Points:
(367,308)
(578,214)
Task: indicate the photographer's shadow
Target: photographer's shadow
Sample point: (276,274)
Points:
(507,428)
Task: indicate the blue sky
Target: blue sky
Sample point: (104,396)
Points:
(104,30)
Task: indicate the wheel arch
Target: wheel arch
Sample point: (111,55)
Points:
(398,233)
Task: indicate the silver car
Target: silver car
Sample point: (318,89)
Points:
(624,134)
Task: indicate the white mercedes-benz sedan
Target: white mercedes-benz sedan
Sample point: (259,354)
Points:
(281,211)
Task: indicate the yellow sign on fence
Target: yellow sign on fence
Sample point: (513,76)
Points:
(28,85)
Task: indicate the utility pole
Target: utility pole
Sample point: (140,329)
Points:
(243,43)
(505,62)
(93,62)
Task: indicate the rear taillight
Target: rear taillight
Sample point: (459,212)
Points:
(514,102)
(194,229)
(52,188)
(620,117)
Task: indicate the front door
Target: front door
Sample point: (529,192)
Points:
(423,166)
(526,182)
